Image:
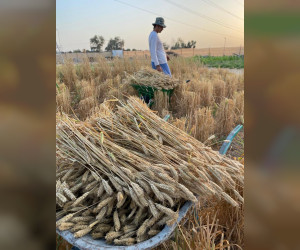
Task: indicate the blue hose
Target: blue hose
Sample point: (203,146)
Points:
(224,148)
(167,117)
(229,139)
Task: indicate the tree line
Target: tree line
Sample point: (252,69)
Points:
(97,43)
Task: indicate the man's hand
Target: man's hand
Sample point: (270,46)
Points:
(158,68)
(168,58)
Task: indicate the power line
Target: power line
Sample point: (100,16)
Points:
(193,26)
(211,3)
(203,16)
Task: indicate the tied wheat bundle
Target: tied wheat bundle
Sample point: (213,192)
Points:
(152,78)
(125,173)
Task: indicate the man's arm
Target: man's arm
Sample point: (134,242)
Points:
(152,43)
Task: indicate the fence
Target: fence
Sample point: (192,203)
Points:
(77,57)
(192,52)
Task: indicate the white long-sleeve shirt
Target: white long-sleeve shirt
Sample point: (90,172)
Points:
(157,52)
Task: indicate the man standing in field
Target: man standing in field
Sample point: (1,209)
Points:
(158,56)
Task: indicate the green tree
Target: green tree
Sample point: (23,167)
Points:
(76,51)
(191,44)
(180,44)
(115,44)
(166,46)
(96,43)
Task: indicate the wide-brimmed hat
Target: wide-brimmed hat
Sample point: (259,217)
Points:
(160,21)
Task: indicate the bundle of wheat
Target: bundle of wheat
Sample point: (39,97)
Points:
(225,116)
(85,72)
(63,98)
(239,106)
(153,78)
(102,69)
(204,124)
(180,123)
(161,102)
(125,173)
(218,90)
(68,73)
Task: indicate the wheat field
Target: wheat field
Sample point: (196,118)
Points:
(207,108)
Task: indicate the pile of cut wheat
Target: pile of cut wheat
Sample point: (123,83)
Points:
(153,78)
(124,173)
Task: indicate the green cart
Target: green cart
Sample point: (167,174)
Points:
(147,92)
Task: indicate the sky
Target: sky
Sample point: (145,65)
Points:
(211,23)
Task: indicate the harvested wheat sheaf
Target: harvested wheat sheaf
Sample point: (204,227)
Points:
(124,173)
(153,78)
